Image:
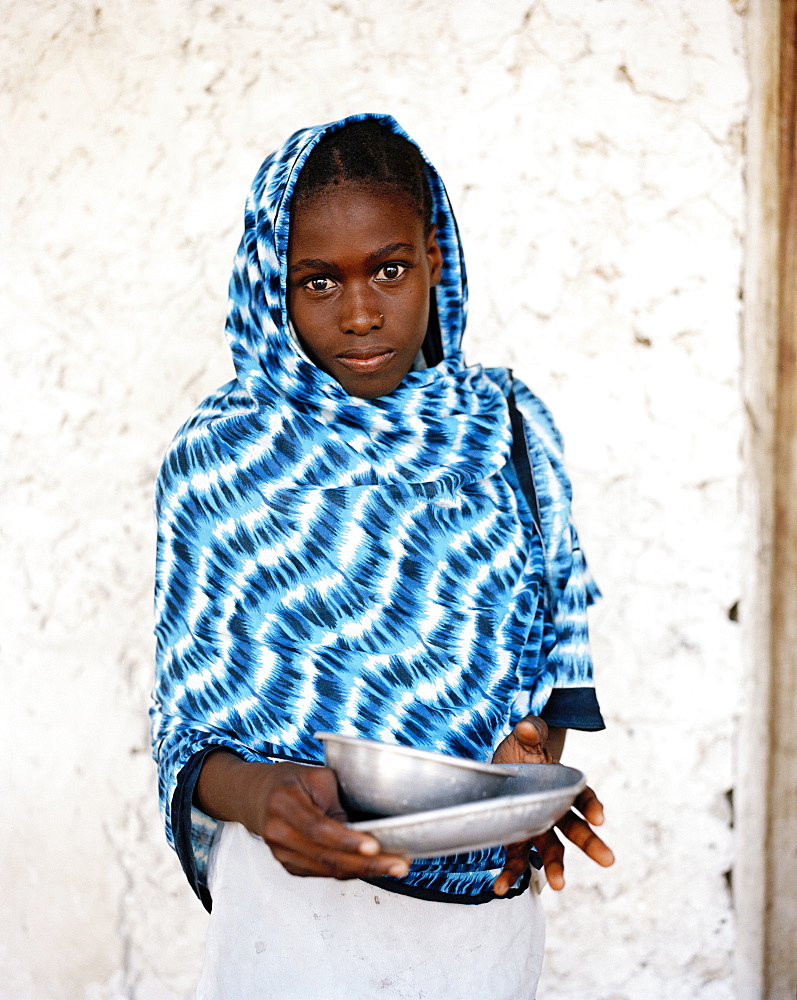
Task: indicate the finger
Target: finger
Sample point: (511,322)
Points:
(517,861)
(525,744)
(590,807)
(578,832)
(321,786)
(531,732)
(340,866)
(298,827)
(306,860)
(308,850)
(552,852)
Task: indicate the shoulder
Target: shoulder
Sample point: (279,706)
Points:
(546,452)
(537,416)
(202,444)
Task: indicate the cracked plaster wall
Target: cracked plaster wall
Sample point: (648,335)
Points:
(594,154)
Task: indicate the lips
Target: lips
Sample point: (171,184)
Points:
(365,360)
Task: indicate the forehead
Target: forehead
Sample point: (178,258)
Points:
(347,212)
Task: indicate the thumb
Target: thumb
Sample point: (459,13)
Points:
(531,732)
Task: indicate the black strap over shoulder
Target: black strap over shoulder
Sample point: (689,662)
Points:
(433,342)
(522,462)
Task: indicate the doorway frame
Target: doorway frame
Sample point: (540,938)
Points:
(765,870)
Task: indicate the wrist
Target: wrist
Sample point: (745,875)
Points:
(226,788)
(556,742)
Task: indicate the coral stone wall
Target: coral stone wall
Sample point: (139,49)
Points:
(594,154)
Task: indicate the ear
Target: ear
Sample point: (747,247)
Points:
(435,257)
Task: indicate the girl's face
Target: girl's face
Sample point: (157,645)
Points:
(360,266)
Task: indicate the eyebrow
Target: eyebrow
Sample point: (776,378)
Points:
(389,250)
(312,263)
(316,264)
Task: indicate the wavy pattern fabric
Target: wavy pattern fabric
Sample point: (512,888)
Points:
(364,566)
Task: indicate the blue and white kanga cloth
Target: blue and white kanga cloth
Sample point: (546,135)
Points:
(370,567)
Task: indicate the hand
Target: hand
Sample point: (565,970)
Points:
(529,743)
(296,810)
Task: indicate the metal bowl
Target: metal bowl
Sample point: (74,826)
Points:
(530,803)
(382,779)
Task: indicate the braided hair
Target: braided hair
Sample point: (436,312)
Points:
(365,153)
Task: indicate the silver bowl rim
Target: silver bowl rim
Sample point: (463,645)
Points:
(468,809)
(463,763)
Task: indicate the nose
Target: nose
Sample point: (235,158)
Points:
(359,313)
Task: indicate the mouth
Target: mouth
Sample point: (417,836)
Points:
(366,360)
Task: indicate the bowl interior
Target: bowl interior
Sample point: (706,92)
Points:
(382,779)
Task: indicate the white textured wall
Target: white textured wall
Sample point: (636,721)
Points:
(593,151)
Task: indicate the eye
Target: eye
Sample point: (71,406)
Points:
(391,271)
(318,283)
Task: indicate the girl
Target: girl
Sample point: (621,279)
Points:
(362,534)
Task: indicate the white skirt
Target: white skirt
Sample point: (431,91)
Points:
(275,936)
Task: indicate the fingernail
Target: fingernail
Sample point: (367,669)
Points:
(398,870)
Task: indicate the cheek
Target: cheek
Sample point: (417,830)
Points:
(412,300)
(306,317)
(421,307)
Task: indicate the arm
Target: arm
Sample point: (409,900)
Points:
(210,768)
(531,742)
(295,809)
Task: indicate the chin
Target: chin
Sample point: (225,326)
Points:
(370,392)
(365,387)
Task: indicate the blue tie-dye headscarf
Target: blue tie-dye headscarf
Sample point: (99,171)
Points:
(364,566)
